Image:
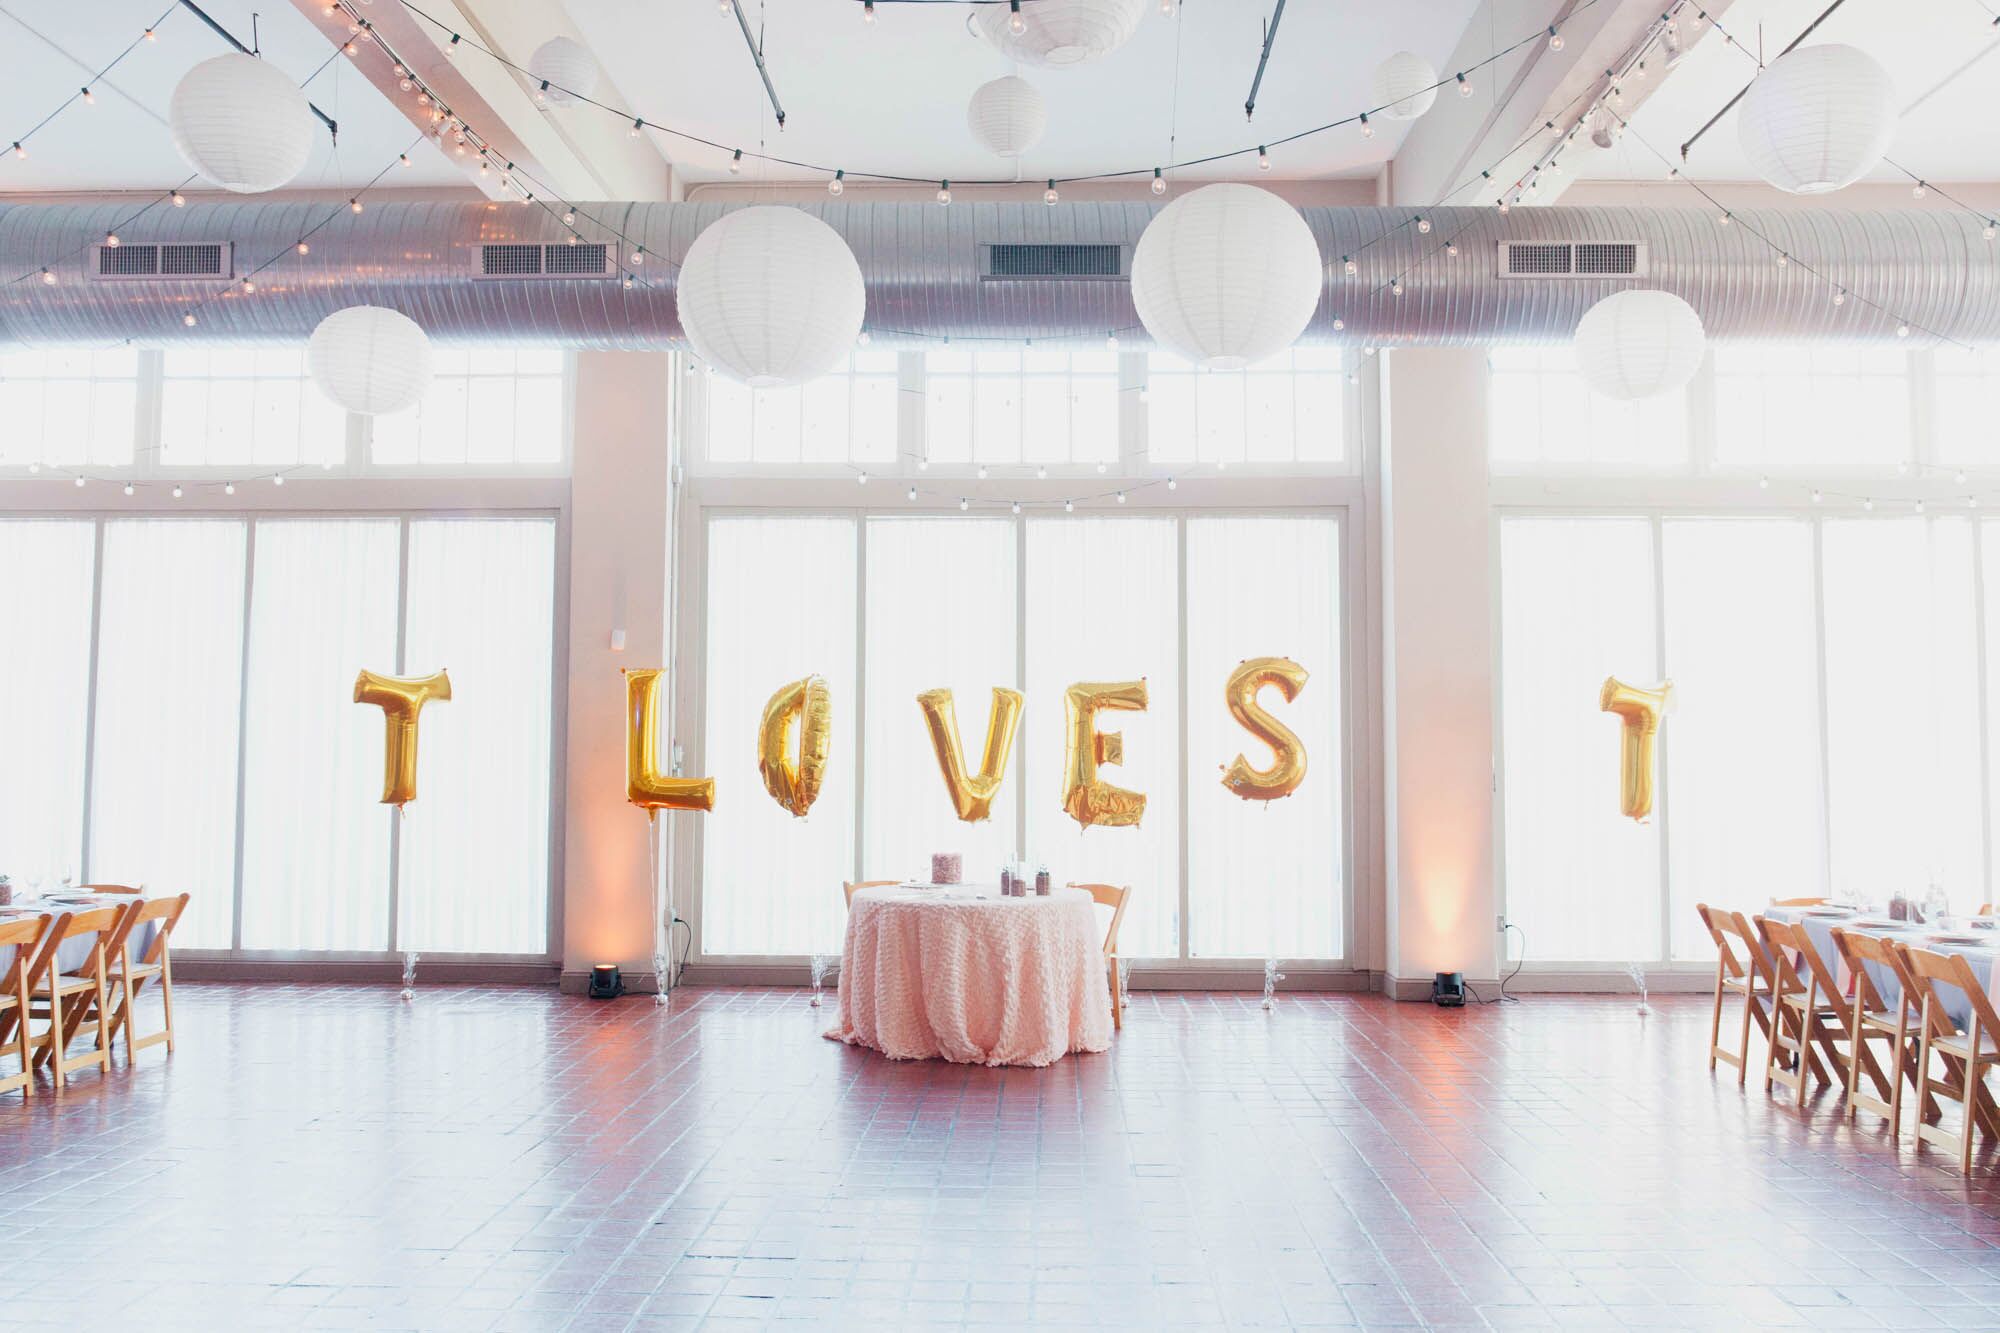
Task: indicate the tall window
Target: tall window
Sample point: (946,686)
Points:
(1021,405)
(1542,414)
(225,656)
(845,417)
(68,407)
(886,607)
(486,407)
(245,405)
(1288,409)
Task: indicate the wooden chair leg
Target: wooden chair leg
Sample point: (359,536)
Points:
(55,1048)
(1117,999)
(1743,1039)
(1715,1018)
(103,1018)
(167,995)
(125,1010)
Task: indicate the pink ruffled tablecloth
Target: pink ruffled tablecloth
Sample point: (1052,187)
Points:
(972,977)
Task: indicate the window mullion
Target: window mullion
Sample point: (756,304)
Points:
(1825,736)
(242,733)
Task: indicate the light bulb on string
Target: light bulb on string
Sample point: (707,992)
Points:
(1464,86)
(1069,506)
(1424,226)
(1049,196)
(1868,505)
(1015,23)
(89,98)
(944,192)
(862,479)
(838,184)
(179,199)
(177,491)
(639,256)
(79,483)
(1348,266)
(1555,39)
(1816,496)
(189,319)
(48,278)
(736,163)
(963,504)
(1017,506)
(912,493)
(354,205)
(868,11)
(1121,497)
(304,249)
(128,488)
(1917,191)
(405,160)
(229,488)
(569,217)
(111,239)
(1263,158)
(982,472)
(1173,485)
(638,124)
(1159,182)
(278,480)
(1902,330)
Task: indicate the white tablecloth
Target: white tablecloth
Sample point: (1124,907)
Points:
(1819,928)
(75,953)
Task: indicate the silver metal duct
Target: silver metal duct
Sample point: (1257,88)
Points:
(924,264)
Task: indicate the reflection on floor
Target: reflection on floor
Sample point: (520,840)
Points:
(327,1157)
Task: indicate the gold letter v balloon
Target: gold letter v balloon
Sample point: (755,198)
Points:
(646,785)
(972,793)
(402,701)
(1638,709)
(794,783)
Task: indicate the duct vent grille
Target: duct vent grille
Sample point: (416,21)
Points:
(1061,263)
(582,260)
(1572,259)
(175,259)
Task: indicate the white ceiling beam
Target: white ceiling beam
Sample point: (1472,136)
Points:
(1524,104)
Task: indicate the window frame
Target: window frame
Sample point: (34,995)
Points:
(550,510)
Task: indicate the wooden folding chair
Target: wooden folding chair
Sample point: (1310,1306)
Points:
(857,886)
(25,937)
(134,889)
(1747,975)
(1804,1015)
(66,998)
(1798,902)
(1113,897)
(128,978)
(1874,1018)
(1974,1046)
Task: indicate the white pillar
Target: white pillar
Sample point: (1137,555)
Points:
(618,569)
(1437,670)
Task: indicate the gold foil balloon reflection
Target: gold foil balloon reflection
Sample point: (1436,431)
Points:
(402,701)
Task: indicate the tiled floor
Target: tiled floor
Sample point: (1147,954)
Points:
(512,1159)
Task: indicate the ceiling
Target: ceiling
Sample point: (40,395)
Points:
(1941,55)
(891,96)
(122,141)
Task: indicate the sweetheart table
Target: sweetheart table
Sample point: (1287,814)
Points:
(961,973)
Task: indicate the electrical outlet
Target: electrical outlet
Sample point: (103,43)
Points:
(1500,924)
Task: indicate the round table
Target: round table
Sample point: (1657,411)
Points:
(961,973)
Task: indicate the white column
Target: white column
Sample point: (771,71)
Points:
(618,568)
(1437,669)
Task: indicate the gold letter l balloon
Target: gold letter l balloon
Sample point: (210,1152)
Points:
(794,783)
(1087,798)
(646,785)
(401,701)
(1288,763)
(1639,710)
(972,793)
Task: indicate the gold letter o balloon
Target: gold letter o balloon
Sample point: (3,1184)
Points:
(794,782)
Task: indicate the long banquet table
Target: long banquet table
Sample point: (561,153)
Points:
(74,953)
(962,973)
(1819,924)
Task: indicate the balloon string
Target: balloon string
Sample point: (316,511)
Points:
(663,933)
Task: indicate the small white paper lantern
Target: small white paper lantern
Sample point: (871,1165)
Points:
(1404,86)
(1059,32)
(1817,118)
(771,296)
(566,67)
(1226,275)
(241,123)
(1007,116)
(1639,343)
(370,360)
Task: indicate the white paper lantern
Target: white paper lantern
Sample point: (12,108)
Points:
(1226,275)
(1059,32)
(1007,116)
(771,296)
(1817,119)
(566,67)
(241,123)
(1405,86)
(1637,343)
(370,360)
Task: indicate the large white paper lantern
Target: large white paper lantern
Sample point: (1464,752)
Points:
(241,123)
(566,67)
(370,360)
(1059,32)
(1638,343)
(1405,85)
(1226,275)
(771,296)
(1007,116)
(1817,118)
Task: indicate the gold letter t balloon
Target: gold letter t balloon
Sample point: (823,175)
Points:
(401,700)
(1639,709)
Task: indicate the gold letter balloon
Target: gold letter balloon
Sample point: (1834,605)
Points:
(1288,763)
(794,783)
(646,785)
(1086,798)
(401,700)
(1638,709)
(972,793)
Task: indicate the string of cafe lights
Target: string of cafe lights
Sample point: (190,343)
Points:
(84,95)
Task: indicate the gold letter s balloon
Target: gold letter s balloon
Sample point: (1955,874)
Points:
(1087,799)
(972,793)
(1288,765)
(646,786)
(794,783)
(401,701)
(1638,709)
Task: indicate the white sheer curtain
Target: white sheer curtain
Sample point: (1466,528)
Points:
(475,843)
(781,593)
(940,614)
(1741,749)
(1103,605)
(315,837)
(1576,605)
(169,681)
(45,577)
(1265,877)
(1902,683)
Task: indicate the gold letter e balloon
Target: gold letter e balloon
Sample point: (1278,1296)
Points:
(402,701)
